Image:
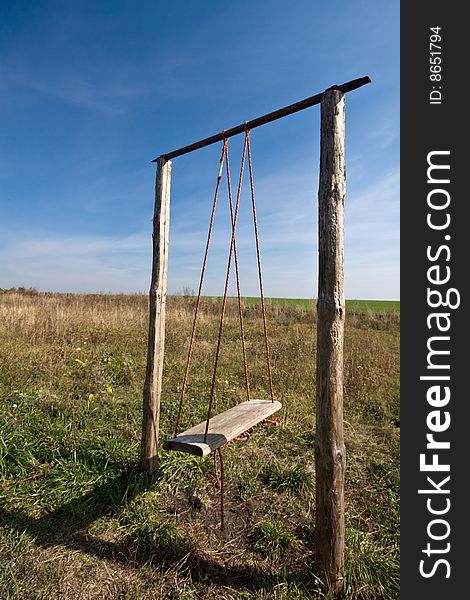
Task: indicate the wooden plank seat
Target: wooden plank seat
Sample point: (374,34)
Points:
(223,427)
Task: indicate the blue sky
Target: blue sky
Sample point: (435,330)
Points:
(91,92)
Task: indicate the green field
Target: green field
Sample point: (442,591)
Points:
(352,306)
(77,519)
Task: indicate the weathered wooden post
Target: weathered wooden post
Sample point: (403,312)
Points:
(330,460)
(156,339)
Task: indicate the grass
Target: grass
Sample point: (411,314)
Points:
(360,307)
(295,479)
(273,540)
(78,521)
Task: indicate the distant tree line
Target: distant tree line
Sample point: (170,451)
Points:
(20,290)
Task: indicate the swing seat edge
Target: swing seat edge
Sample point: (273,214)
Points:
(223,428)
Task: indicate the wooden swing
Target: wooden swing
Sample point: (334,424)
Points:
(217,431)
(209,437)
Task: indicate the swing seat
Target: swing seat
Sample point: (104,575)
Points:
(223,428)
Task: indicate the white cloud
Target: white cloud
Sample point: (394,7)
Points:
(77,263)
(287,221)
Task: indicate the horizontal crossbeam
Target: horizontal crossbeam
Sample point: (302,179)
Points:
(223,428)
(272,116)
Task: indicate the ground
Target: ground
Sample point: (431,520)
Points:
(77,519)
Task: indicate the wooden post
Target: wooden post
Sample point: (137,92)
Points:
(330,460)
(156,339)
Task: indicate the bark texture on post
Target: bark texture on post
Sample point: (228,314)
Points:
(156,339)
(330,460)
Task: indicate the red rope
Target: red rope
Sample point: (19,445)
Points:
(235,254)
(221,485)
(216,473)
(227,278)
(198,302)
(232,252)
(255,223)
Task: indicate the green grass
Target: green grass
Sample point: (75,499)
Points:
(77,519)
(373,306)
(283,478)
(273,540)
(378,307)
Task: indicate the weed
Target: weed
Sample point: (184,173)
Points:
(273,539)
(371,570)
(162,538)
(247,487)
(178,471)
(294,479)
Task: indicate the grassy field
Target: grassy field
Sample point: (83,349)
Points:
(77,520)
(357,307)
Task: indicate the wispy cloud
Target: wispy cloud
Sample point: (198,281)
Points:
(76,263)
(74,246)
(375,206)
(288,227)
(287,211)
(385,132)
(96,93)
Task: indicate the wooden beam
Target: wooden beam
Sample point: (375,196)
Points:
(157,302)
(330,459)
(223,428)
(272,116)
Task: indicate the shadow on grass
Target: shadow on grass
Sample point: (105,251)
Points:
(65,527)
(62,526)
